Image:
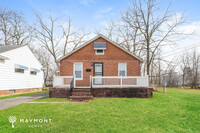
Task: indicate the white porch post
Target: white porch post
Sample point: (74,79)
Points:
(91,81)
(147,80)
(74,82)
(121,81)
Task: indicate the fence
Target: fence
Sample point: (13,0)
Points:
(119,81)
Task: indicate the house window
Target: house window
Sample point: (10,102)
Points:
(33,72)
(78,71)
(18,70)
(99,51)
(122,71)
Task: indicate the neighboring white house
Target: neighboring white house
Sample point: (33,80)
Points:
(19,68)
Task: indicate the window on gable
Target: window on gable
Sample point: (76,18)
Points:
(99,47)
(78,70)
(100,51)
(122,71)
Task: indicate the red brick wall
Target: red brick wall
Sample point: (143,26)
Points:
(123,92)
(4,92)
(59,92)
(112,56)
(27,90)
(17,91)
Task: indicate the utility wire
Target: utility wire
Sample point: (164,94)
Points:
(180,51)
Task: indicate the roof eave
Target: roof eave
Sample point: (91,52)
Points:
(4,58)
(100,35)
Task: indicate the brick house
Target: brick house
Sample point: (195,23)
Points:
(103,60)
(99,57)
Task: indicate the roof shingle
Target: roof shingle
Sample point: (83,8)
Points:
(5,48)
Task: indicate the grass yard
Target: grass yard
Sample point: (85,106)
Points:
(23,94)
(51,100)
(176,111)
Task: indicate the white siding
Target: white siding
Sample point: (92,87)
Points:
(9,79)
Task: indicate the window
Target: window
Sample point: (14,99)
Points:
(122,69)
(78,71)
(100,51)
(33,72)
(18,70)
(99,45)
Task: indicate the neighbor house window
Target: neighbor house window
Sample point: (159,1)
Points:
(78,70)
(18,70)
(122,69)
(100,51)
(33,72)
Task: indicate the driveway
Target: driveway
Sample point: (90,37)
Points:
(10,102)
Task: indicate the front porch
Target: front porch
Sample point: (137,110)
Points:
(101,86)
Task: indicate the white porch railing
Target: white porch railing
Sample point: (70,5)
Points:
(62,81)
(104,81)
(119,81)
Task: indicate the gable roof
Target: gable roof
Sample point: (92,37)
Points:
(100,35)
(5,48)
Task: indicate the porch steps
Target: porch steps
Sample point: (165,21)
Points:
(81,95)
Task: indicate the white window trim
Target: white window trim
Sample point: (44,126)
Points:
(81,70)
(125,68)
(99,48)
(99,53)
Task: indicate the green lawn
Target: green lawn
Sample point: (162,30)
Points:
(51,100)
(23,94)
(176,111)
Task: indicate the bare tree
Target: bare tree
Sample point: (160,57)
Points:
(21,33)
(5,16)
(13,28)
(195,65)
(155,29)
(190,67)
(184,66)
(46,61)
(56,37)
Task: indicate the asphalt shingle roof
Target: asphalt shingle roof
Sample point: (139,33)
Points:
(5,48)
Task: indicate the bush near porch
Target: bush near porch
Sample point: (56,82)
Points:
(176,111)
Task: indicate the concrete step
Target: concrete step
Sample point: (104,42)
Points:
(84,92)
(81,94)
(80,98)
(81,89)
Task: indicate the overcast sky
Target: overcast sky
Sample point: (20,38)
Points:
(92,14)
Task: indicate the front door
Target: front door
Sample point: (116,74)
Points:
(98,72)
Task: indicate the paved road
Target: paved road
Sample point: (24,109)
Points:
(10,102)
